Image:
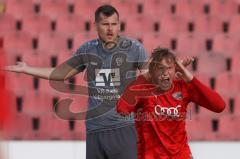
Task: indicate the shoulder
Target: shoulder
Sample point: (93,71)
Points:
(130,42)
(181,85)
(88,46)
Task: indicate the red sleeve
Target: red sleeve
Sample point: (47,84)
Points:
(204,96)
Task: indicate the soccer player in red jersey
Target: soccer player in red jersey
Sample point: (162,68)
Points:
(159,99)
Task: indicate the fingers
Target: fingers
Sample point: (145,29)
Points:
(180,66)
(187,61)
(8,68)
(13,68)
(184,73)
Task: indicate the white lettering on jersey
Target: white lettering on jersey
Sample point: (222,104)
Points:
(169,111)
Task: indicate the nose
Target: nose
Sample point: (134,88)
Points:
(110,27)
(165,72)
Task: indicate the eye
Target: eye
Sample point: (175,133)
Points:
(160,68)
(105,24)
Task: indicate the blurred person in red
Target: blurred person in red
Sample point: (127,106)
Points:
(4,112)
(159,101)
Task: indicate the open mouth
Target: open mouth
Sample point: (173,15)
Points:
(165,82)
(109,35)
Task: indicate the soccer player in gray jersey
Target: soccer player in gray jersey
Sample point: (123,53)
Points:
(111,61)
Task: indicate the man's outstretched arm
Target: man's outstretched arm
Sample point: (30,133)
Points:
(60,73)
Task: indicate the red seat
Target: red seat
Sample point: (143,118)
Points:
(155,8)
(81,38)
(228,84)
(86,8)
(153,40)
(7,24)
(51,125)
(234,25)
(80,131)
(69,25)
(11,57)
(188,8)
(124,8)
(18,127)
(227,128)
(40,58)
(237,119)
(208,25)
(20,41)
(211,63)
(139,24)
(52,43)
(235,63)
(229,8)
(200,128)
(53,8)
(19,83)
(36,24)
(31,58)
(172,24)
(20,8)
(64,56)
(191,44)
(227,45)
(236,105)
(35,103)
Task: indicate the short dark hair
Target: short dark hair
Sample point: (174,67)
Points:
(106,10)
(158,55)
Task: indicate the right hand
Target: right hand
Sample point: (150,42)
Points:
(20,67)
(187,61)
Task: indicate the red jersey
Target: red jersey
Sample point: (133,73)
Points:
(160,118)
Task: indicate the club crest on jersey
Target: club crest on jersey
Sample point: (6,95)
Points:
(177,95)
(125,44)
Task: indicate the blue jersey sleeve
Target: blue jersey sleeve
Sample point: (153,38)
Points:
(77,60)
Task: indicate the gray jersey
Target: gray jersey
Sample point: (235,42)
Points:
(108,73)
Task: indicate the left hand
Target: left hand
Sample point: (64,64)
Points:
(182,72)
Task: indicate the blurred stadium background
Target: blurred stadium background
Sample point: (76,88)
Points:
(47,32)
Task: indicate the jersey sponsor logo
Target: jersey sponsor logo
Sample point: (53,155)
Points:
(177,95)
(168,111)
(107,77)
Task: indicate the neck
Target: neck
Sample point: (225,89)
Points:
(110,44)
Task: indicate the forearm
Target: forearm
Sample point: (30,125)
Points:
(206,97)
(44,73)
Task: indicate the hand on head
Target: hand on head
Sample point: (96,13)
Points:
(181,71)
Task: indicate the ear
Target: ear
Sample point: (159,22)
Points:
(119,25)
(95,26)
